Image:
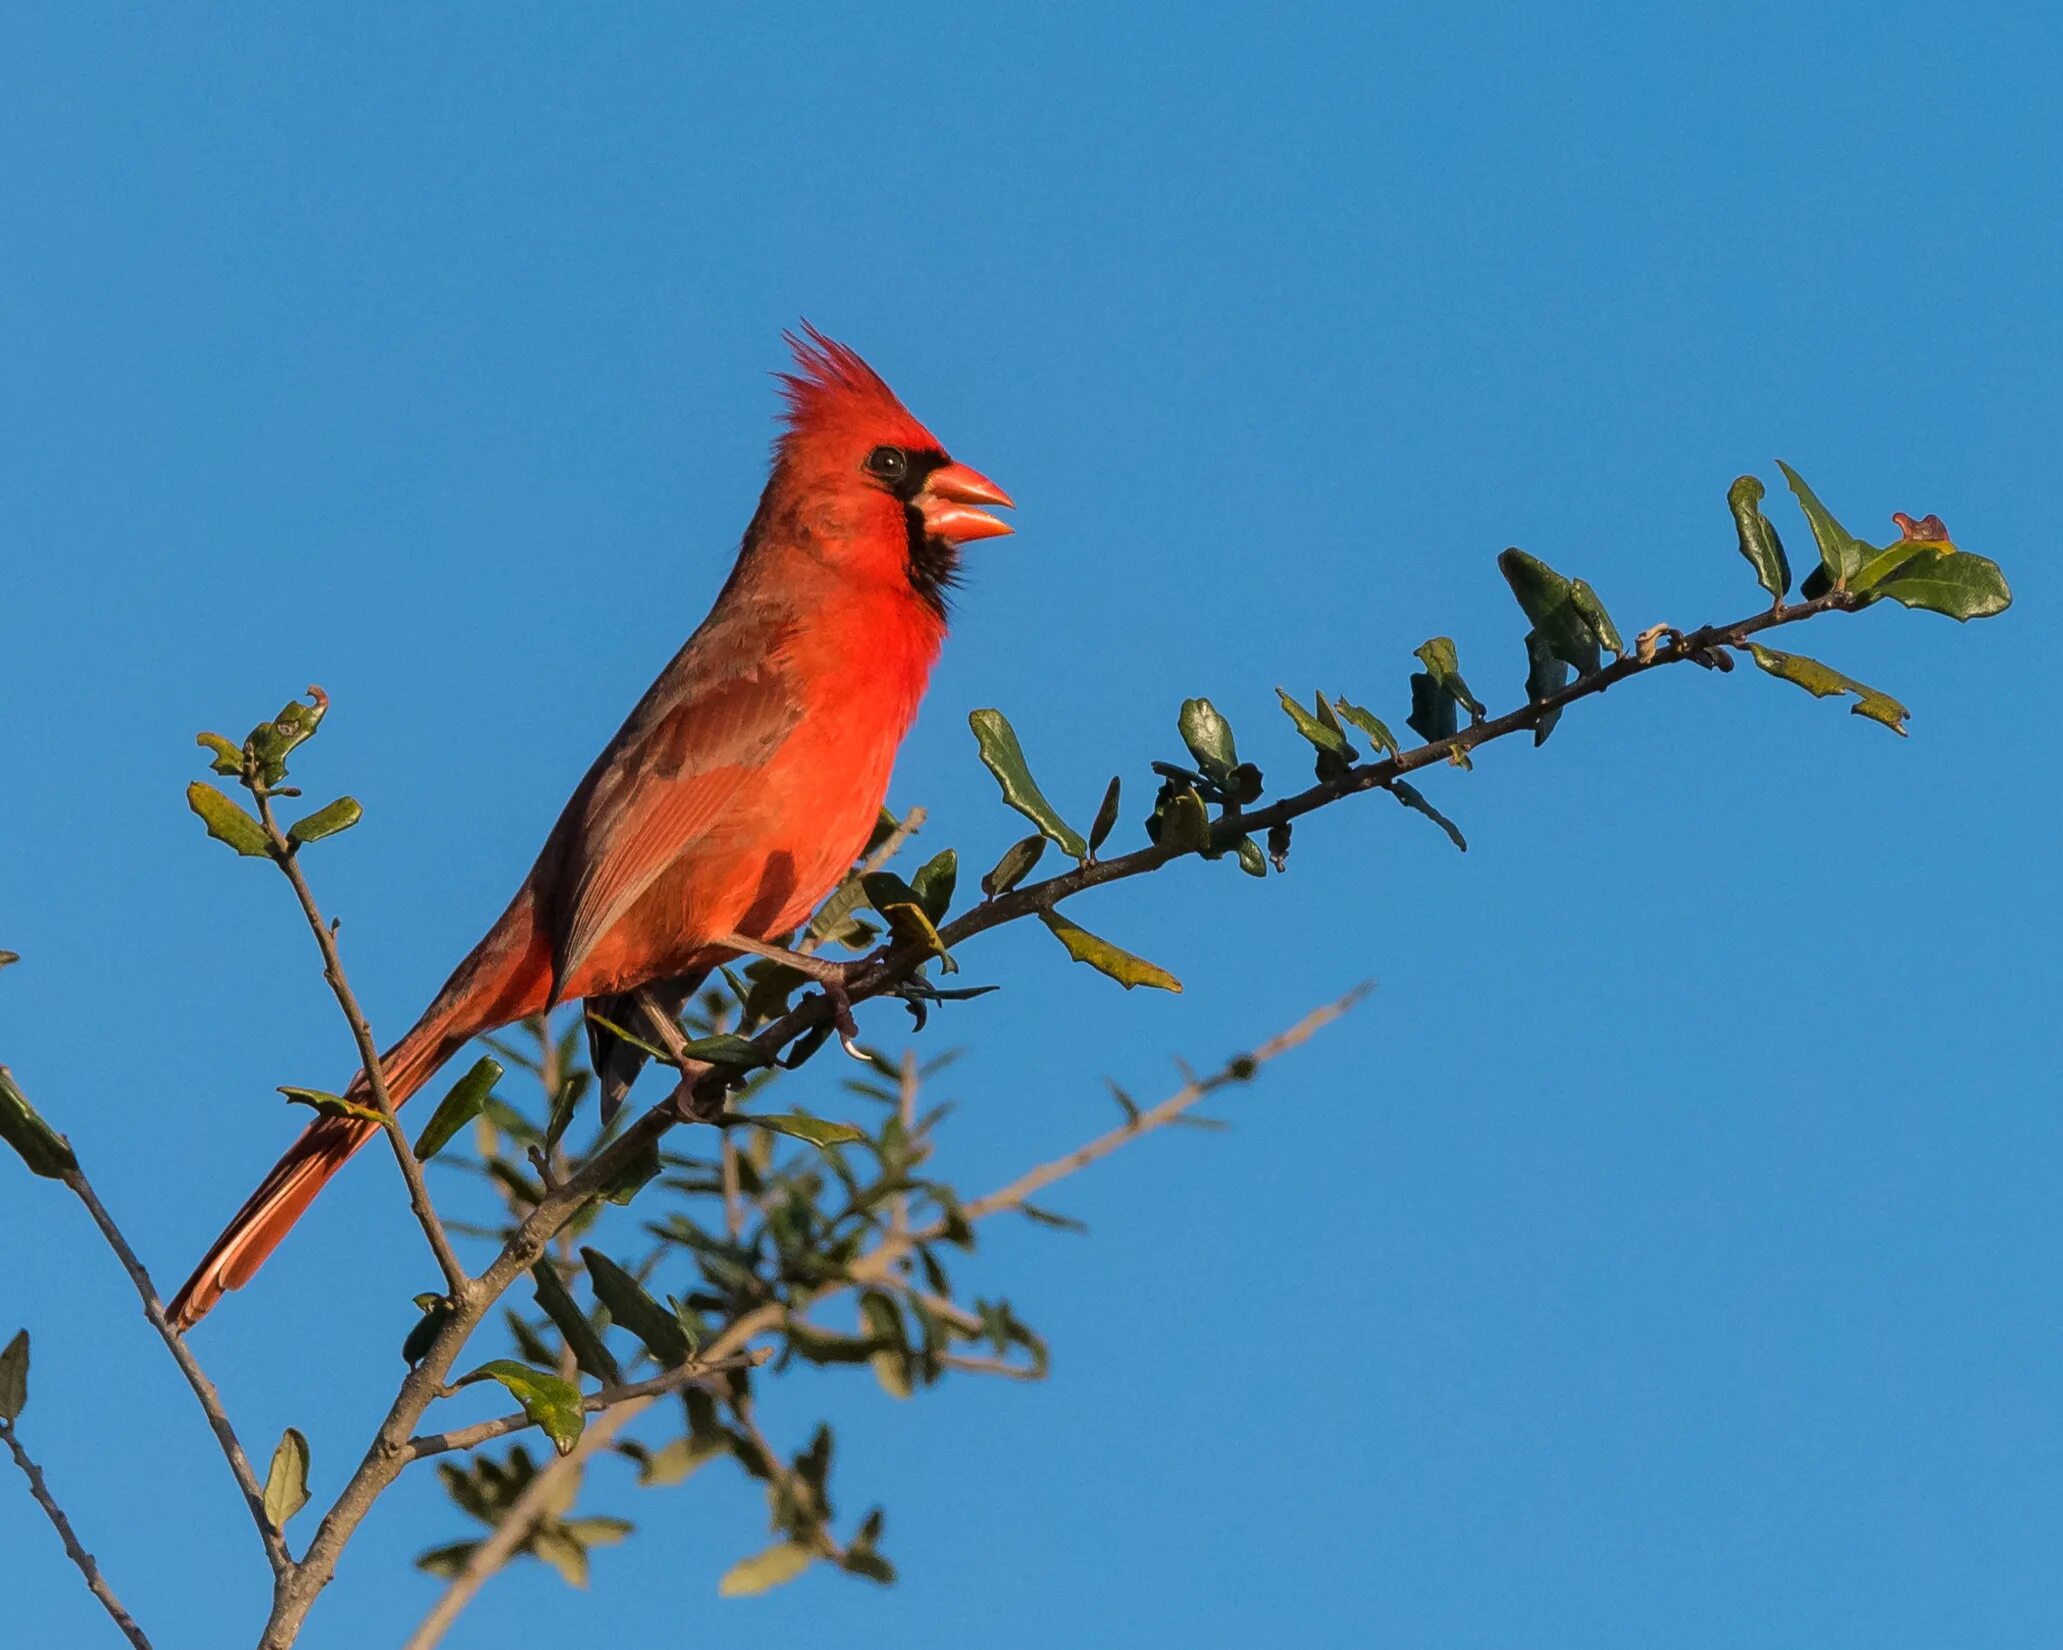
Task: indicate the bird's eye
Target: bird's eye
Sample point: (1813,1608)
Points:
(889,463)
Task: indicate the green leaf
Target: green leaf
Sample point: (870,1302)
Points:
(272,741)
(566,1098)
(903,909)
(228,758)
(1185,825)
(817,1131)
(817,1345)
(1251,860)
(1106,815)
(1549,601)
(1209,738)
(871,1565)
(552,1403)
(1014,866)
(1546,675)
(598,1531)
(1413,798)
(1047,1217)
(550,1543)
(1126,1103)
(672,1463)
(286,1480)
(1957,583)
(1591,610)
(14,1377)
(1758,539)
(458,1108)
(325,1104)
(1369,723)
(42,1148)
(632,1308)
(726,1048)
(1432,709)
(834,919)
(1841,553)
(765,1571)
(589,1352)
(1438,690)
(1441,664)
(883,1322)
(623,1033)
(1887,561)
(340,815)
(1106,958)
(1825,682)
(436,1313)
(226,822)
(446,1563)
(1326,736)
(1004,757)
(934,883)
(638,1171)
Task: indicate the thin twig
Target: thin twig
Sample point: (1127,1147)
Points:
(990,1366)
(1025,1186)
(96,1583)
(593,1403)
(457,1283)
(203,1389)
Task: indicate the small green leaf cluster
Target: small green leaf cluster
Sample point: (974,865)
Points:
(487,1489)
(784,1225)
(259,765)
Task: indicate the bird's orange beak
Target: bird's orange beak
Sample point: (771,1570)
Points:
(947,505)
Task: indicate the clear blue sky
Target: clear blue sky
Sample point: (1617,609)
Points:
(1667,1252)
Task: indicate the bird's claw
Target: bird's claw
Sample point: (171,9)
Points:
(841,1017)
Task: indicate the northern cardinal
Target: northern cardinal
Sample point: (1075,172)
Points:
(742,787)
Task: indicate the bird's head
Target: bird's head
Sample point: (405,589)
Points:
(872,486)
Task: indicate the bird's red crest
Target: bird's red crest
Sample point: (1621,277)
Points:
(834,390)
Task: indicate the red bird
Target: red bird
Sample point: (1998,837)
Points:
(741,789)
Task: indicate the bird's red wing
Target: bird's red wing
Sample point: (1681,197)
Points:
(670,778)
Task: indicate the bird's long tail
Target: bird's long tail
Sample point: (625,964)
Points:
(507,976)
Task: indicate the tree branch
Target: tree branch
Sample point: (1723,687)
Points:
(96,1583)
(699,1096)
(457,1283)
(593,1403)
(189,1366)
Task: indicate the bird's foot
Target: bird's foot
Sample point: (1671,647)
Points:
(829,977)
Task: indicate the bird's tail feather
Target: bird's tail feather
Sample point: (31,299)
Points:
(507,976)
